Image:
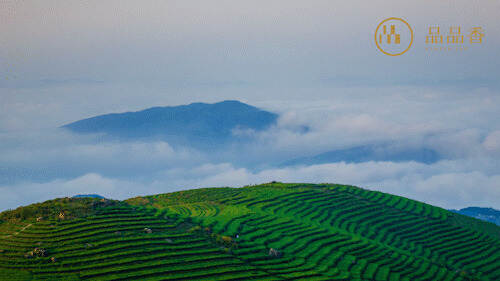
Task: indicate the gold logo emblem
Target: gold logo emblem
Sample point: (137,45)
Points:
(393,36)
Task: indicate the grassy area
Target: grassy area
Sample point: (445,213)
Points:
(274,231)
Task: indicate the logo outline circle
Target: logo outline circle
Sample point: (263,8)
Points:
(411,40)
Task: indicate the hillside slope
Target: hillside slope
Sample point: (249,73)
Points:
(268,232)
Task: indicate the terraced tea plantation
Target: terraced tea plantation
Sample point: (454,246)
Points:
(267,232)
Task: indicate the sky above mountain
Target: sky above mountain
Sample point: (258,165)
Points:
(313,64)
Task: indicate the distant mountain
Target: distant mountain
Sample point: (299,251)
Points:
(88,196)
(366,153)
(485,214)
(195,124)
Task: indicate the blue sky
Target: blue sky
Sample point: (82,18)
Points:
(314,63)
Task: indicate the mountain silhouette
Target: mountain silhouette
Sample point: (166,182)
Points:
(194,124)
(365,153)
(486,214)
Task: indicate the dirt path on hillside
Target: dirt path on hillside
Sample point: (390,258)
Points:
(17,233)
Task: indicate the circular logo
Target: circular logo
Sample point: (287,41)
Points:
(393,36)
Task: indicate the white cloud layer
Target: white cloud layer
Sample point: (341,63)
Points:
(449,184)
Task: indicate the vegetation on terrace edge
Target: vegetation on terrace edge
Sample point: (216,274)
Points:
(273,231)
(62,207)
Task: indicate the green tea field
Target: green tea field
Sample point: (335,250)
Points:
(273,231)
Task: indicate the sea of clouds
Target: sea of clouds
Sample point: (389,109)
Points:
(39,163)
